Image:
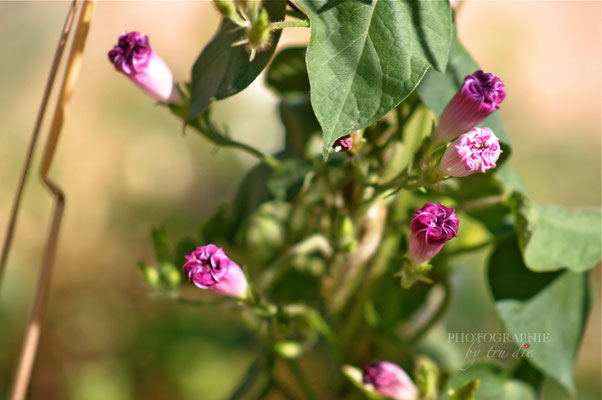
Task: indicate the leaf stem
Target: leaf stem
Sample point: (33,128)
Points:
(304,23)
(443,306)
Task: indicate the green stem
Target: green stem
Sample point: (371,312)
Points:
(308,392)
(219,139)
(290,24)
(203,125)
(436,315)
(313,243)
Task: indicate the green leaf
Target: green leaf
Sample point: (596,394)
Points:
(161,245)
(289,178)
(300,122)
(494,383)
(509,278)
(221,70)
(437,89)
(559,310)
(553,237)
(287,72)
(365,57)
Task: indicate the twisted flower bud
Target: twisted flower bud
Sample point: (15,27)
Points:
(432,226)
(134,57)
(480,95)
(344,143)
(390,381)
(474,151)
(208,267)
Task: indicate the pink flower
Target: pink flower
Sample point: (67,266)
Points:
(390,381)
(344,143)
(432,226)
(134,57)
(480,95)
(208,267)
(474,151)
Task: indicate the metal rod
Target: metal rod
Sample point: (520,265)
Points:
(12,220)
(30,344)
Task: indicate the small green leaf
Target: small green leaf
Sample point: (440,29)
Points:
(558,311)
(509,278)
(365,57)
(161,245)
(553,237)
(221,70)
(287,72)
(150,275)
(300,123)
(437,89)
(493,384)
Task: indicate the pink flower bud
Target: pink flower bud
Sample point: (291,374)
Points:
(390,381)
(208,267)
(134,57)
(344,143)
(474,151)
(432,226)
(480,95)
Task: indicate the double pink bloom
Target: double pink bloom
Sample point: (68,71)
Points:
(134,57)
(475,151)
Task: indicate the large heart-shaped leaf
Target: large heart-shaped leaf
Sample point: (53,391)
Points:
(553,237)
(558,313)
(221,70)
(366,56)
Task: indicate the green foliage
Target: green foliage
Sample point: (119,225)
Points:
(558,310)
(554,237)
(488,382)
(364,58)
(287,73)
(222,70)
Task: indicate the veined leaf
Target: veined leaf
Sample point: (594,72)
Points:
(366,56)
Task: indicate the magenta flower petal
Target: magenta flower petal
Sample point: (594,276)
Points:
(134,57)
(208,267)
(480,95)
(474,151)
(390,381)
(344,143)
(432,226)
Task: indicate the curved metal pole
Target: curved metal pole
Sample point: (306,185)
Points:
(32,335)
(12,220)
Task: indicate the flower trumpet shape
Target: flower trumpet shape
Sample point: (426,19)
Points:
(134,57)
(208,267)
(474,151)
(432,226)
(480,95)
(390,381)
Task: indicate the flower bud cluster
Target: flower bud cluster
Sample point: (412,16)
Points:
(252,18)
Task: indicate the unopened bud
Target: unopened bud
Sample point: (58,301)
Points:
(134,57)
(208,267)
(480,95)
(226,7)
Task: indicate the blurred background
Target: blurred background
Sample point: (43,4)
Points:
(126,167)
